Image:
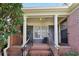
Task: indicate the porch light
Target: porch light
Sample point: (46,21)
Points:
(40,18)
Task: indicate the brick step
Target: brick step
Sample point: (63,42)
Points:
(39,53)
(39,50)
(14,51)
(40,47)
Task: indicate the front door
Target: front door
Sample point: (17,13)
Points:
(39,32)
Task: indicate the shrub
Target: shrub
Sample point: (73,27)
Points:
(71,53)
(2,44)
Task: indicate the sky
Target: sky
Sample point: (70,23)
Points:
(29,5)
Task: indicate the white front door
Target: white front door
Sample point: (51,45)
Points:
(39,32)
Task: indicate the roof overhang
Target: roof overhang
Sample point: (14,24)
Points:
(50,10)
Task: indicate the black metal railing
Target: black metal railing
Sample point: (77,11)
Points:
(28,45)
(49,42)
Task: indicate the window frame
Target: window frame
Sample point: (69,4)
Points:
(64,44)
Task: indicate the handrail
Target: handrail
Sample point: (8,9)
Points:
(25,46)
(50,37)
(28,40)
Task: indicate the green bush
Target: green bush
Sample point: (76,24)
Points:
(1,43)
(71,53)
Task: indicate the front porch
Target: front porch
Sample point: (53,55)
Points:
(36,27)
(41,31)
(52,27)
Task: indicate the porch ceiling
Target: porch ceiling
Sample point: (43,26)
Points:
(44,18)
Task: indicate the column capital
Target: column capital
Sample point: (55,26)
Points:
(56,15)
(24,15)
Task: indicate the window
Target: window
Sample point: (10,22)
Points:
(64,37)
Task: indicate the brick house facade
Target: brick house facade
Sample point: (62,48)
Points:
(73,33)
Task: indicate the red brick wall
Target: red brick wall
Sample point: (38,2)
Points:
(15,45)
(73,30)
(16,39)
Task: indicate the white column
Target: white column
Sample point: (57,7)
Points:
(24,30)
(56,30)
